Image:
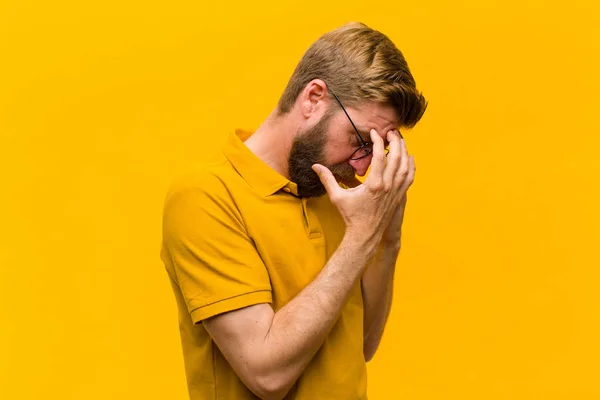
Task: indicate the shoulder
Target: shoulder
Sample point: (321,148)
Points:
(199,198)
(206,180)
(201,195)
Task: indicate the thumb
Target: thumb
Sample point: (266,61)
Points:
(326,178)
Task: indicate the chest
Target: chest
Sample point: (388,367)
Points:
(295,238)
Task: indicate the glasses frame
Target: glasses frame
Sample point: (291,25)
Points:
(364,145)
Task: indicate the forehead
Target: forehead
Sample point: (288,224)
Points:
(372,115)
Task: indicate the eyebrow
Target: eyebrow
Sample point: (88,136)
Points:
(365,136)
(355,139)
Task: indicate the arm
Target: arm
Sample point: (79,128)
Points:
(378,281)
(270,350)
(377,289)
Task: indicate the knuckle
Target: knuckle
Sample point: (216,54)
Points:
(394,157)
(379,155)
(376,186)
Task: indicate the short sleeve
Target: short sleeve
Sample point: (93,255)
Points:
(214,262)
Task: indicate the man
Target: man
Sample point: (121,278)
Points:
(281,261)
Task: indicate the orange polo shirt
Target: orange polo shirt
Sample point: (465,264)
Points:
(235,234)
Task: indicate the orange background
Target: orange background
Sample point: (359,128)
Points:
(101,104)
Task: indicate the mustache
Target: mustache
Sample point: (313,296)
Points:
(351,182)
(348,178)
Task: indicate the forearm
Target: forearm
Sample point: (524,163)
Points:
(377,288)
(300,327)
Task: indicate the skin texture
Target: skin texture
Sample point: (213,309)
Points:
(308,148)
(270,350)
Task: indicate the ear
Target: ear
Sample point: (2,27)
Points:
(313,99)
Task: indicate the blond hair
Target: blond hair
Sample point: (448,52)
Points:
(358,63)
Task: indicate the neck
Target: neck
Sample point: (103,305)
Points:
(272,141)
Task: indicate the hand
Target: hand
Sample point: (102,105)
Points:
(392,234)
(368,209)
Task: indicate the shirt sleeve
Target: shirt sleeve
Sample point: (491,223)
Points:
(215,263)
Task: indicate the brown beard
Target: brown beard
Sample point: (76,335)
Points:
(308,148)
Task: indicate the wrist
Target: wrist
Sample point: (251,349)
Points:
(389,251)
(368,243)
(391,244)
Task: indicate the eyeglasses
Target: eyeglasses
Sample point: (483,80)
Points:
(366,148)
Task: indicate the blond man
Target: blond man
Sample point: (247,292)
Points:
(281,261)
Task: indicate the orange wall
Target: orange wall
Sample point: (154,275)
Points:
(102,104)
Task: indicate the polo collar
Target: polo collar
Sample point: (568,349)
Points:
(261,177)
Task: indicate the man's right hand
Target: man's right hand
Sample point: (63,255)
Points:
(368,208)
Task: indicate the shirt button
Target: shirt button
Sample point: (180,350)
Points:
(286,189)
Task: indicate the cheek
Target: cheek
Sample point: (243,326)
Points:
(338,150)
(338,155)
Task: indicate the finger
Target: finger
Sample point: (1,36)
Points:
(377,161)
(392,163)
(410,176)
(403,170)
(327,179)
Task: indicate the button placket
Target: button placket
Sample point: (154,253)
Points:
(312,222)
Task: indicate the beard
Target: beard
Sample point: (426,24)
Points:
(308,148)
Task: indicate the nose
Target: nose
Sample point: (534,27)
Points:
(362,165)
